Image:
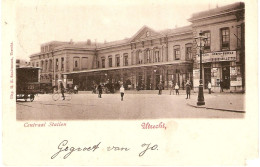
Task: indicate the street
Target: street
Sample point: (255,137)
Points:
(135,106)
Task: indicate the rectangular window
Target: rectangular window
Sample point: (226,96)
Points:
(125,60)
(57,64)
(207,42)
(110,61)
(46,65)
(117,61)
(50,65)
(62,64)
(76,63)
(188,53)
(103,62)
(156,56)
(177,54)
(84,63)
(225,39)
(97,64)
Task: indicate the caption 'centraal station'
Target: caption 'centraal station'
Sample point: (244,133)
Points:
(150,57)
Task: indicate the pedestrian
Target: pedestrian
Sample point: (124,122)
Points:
(122,92)
(171,87)
(62,90)
(188,87)
(75,89)
(99,91)
(160,88)
(221,85)
(209,87)
(177,88)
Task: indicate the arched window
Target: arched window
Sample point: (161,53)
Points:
(156,55)
(125,55)
(176,52)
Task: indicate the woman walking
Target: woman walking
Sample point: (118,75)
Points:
(209,87)
(122,92)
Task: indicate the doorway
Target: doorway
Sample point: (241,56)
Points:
(207,77)
(157,81)
(226,77)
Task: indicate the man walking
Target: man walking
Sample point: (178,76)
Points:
(221,85)
(188,87)
(99,91)
(160,88)
(62,90)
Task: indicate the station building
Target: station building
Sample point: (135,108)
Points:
(150,57)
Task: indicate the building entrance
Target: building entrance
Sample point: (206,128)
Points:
(157,81)
(148,82)
(207,77)
(226,77)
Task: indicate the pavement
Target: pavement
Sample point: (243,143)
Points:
(225,101)
(137,105)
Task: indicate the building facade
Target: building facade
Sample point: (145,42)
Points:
(223,59)
(150,57)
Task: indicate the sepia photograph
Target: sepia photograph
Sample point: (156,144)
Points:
(119,83)
(192,67)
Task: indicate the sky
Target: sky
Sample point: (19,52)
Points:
(39,21)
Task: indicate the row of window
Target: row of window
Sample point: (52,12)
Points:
(45,48)
(47,65)
(149,56)
(224,39)
(117,61)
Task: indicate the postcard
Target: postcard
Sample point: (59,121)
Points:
(129,83)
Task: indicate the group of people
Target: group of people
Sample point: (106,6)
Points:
(160,87)
(100,90)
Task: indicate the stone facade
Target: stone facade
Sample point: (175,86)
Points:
(149,57)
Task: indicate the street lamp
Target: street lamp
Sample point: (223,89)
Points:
(200,41)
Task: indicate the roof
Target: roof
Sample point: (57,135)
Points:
(176,30)
(118,42)
(217,11)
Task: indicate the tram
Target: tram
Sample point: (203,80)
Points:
(27,83)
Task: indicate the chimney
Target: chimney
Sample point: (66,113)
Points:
(88,42)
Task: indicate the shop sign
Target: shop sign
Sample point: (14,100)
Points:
(235,76)
(217,57)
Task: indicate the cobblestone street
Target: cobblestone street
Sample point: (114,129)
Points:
(135,106)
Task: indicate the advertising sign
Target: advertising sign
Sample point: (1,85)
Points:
(217,56)
(70,81)
(196,78)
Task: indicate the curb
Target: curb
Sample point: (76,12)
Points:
(220,109)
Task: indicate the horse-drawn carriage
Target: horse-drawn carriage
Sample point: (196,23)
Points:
(27,83)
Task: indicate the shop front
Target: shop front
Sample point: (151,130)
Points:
(222,70)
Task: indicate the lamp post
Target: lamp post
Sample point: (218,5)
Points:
(200,41)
